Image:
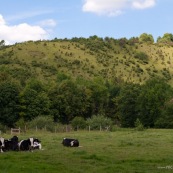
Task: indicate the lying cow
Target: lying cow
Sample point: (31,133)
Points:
(70,142)
(29,144)
(2,144)
(37,144)
(11,144)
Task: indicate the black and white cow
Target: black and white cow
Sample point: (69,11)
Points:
(37,144)
(29,144)
(70,142)
(2,144)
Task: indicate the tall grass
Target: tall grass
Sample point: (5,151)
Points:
(122,151)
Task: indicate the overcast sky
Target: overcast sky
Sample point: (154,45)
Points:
(22,20)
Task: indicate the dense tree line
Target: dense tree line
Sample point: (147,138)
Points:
(67,98)
(143,38)
(24,99)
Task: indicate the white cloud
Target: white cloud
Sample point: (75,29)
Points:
(115,7)
(21,32)
(142,4)
(2,21)
(48,23)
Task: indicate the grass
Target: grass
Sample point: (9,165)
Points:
(125,151)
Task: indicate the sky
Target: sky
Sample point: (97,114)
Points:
(24,20)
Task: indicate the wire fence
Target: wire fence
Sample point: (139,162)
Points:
(52,129)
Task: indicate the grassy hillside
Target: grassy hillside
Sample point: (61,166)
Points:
(87,58)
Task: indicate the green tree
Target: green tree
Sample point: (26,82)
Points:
(112,109)
(166,118)
(2,44)
(146,38)
(126,103)
(99,96)
(34,101)
(167,38)
(68,100)
(9,103)
(151,100)
(133,40)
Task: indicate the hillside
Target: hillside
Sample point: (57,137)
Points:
(109,58)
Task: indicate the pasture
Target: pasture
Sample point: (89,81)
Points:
(122,151)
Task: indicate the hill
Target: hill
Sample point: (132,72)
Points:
(127,60)
(87,77)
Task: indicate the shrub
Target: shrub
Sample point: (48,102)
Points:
(2,128)
(141,56)
(20,123)
(97,121)
(78,122)
(138,125)
(42,122)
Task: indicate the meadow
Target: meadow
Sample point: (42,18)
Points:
(122,151)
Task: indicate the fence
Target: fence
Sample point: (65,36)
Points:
(65,128)
(15,131)
(54,129)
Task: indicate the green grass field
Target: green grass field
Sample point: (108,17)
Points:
(122,151)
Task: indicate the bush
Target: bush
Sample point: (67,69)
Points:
(2,128)
(78,122)
(142,56)
(97,121)
(138,125)
(42,122)
(21,123)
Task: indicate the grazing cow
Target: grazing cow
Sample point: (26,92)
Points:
(29,144)
(11,144)
(2,144)
(70,142)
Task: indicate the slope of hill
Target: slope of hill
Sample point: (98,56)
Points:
(87,58)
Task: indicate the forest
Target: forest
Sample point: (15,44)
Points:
(120,81)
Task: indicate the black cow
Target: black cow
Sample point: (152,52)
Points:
(70,142)
(29,144)
(11,144)
(2,144)
(14,143)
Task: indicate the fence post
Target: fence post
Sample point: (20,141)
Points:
(89,128)
(25,128)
